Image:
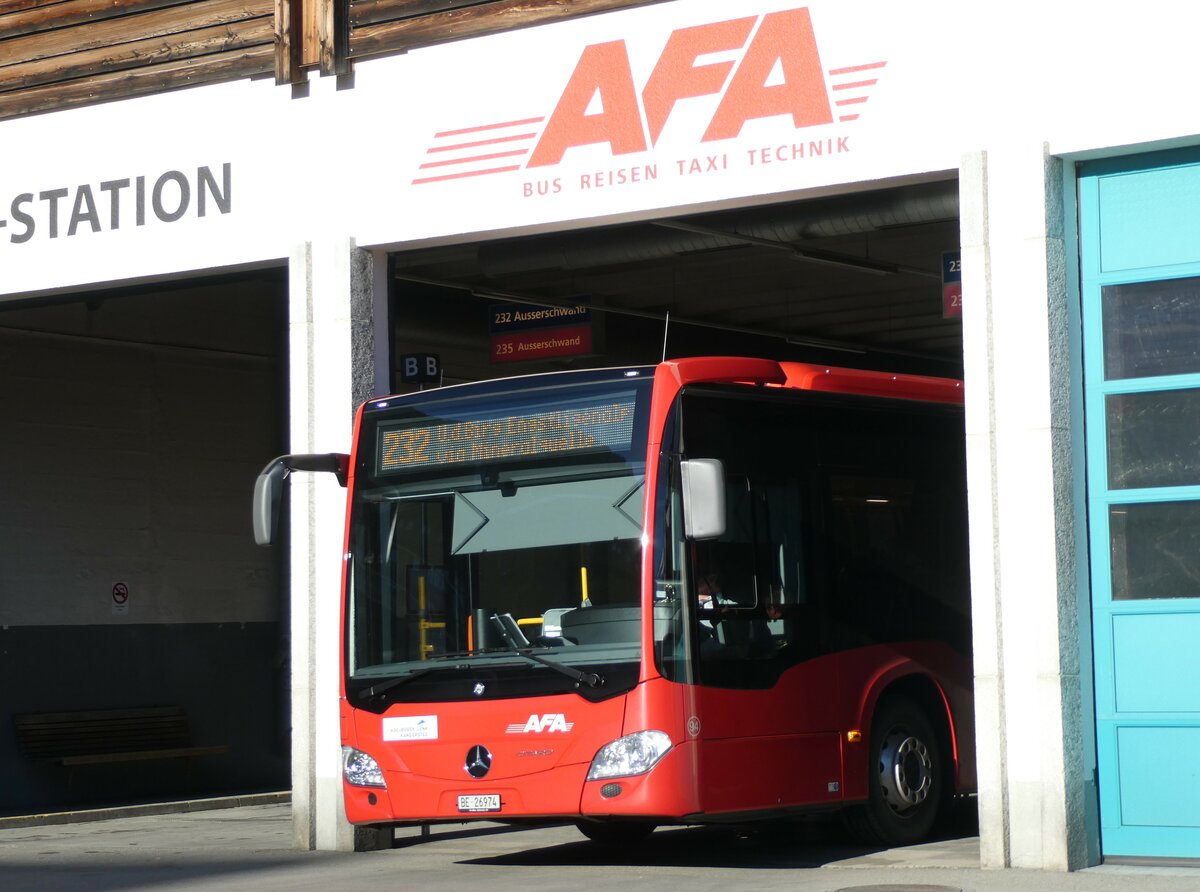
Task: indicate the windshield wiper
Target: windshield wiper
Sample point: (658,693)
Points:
(384,687)
(591,679)
(436,662)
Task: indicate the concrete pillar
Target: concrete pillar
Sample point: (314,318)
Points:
(1032,688)
(337,299)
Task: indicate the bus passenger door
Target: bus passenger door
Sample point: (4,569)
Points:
(766,697)
(760,753)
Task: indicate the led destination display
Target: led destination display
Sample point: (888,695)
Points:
(599,424)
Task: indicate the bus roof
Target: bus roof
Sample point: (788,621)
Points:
(807,376)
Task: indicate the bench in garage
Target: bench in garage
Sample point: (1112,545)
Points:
(101,736)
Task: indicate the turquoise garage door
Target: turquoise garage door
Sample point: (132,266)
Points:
(1140,272)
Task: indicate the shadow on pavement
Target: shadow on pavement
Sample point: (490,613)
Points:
(105,874)
(469,831)
(807,842)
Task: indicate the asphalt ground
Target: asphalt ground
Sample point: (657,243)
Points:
(247,843)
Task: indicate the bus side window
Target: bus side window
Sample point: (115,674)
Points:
(887,563)
(768,621)
(725,573)
(791,618)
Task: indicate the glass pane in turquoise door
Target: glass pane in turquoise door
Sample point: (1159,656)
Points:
(1153,438)
(1151,328)
(1155,549)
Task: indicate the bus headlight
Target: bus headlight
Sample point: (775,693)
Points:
(360,769)
(629,755)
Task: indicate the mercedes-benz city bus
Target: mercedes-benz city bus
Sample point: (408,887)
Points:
(711,590)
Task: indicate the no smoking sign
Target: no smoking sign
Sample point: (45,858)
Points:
(120,599)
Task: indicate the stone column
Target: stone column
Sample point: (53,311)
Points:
(1032,689)
(337,299)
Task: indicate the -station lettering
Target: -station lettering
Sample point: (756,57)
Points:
(111,204)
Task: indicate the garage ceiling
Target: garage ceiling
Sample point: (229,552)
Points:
(857,277)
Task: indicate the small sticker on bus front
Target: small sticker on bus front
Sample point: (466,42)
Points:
(411,727)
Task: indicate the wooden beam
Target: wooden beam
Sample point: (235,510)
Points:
(326,36)
(388,36)
(139,54)
(368,12)
(140,82)
(311,35)
(114,32)
(77,12)
(288,42)
(7,6)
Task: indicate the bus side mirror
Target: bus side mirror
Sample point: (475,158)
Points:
(269,486)
(703,483)
(266,501)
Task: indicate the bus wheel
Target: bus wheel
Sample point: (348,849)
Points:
(616,833)
(905,781)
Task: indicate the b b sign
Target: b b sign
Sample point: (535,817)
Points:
(420,368)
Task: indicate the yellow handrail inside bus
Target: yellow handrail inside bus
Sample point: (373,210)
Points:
(423,625)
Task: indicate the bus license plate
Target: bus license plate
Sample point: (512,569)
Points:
(479,802)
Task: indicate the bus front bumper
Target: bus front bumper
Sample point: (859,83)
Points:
(667,791)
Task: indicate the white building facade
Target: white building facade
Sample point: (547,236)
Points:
(1075,161)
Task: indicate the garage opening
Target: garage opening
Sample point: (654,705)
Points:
(865,280)
(855,280)
(142,634)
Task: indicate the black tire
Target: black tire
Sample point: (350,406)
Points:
(616,833)
(907,778)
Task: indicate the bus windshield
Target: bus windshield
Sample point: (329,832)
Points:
(496,539)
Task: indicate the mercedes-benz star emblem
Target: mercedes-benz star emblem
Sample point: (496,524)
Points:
(479,761)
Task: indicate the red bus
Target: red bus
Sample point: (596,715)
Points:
(711,590)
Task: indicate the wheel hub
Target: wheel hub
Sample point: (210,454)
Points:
(905,770)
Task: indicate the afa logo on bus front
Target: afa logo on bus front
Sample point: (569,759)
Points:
(411,727)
